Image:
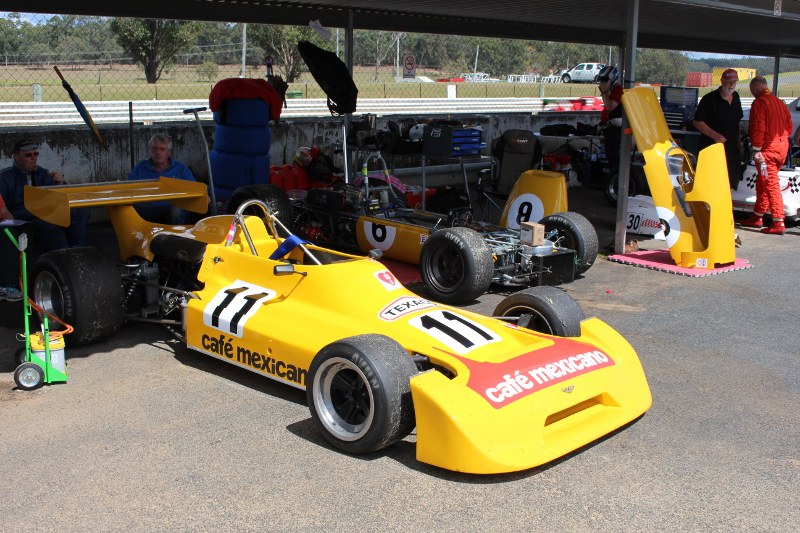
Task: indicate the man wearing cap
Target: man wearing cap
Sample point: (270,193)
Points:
(26,171)
(717,118)
(770,126)
(44,236)
(160,164)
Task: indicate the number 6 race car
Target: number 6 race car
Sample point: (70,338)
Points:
(485,395)
(459,258)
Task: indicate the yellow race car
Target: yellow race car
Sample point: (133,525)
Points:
(486,395)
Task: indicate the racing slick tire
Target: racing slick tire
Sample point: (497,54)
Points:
(275,198)
(29,376)
(544,309)
(574,231)
(359,393)
(81,287)
(456,265)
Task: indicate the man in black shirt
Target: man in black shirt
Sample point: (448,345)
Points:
(717,119)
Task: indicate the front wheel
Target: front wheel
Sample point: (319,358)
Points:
(81,287)
(574,231)
(544,309)
(29,376)
(456,265)
(566,78)
(359,393)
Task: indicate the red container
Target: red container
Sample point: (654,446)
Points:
(698,79)
(414,197)
(289,177)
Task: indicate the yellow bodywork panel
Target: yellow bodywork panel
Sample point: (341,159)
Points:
(536,412)
(53,203)
(694,205)
(536,194)
(396,238)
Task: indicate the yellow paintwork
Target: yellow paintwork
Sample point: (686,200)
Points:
(570,391)
(397,238)
(457,427)
(53,203)
(134,234)
(461,431)
(705,239)
(536,194)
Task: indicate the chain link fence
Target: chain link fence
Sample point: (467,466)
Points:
(104,59)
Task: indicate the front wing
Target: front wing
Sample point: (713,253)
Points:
(465,429)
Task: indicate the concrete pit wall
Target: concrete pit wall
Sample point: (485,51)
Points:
(75,151)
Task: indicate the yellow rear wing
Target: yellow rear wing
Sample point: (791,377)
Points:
(53,203)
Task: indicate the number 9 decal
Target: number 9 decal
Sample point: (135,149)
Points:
(380,236)
(525,208)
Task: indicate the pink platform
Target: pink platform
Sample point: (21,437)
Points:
(661,260)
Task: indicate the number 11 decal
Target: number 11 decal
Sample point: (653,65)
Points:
(231,307)
(459,333)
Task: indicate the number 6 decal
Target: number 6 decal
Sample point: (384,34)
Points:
(380,236)
(231,307)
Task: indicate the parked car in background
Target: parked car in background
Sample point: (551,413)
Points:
(583,72)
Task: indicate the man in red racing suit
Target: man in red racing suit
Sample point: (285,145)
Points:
(770,128)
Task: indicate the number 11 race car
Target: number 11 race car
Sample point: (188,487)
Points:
(486,395)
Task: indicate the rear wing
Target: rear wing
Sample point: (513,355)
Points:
(53,204)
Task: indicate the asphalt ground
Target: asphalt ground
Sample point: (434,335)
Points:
(150,436)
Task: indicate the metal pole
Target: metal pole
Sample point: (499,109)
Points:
(775,74)
(629,77)
(244,51)
(130,134)
(211,191)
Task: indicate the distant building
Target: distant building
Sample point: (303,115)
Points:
(744,74)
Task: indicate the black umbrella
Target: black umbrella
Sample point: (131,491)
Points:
(87,118)
(332,76)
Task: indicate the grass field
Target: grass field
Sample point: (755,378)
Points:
(127,82)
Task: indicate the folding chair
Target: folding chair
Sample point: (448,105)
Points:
(514,152)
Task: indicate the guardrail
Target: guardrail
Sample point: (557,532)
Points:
(148,111)
(144,111)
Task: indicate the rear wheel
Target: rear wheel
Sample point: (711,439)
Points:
(574,231)
(456,265)
(82,288)
(545,309)
(636,185)
(276,199)
(359,393)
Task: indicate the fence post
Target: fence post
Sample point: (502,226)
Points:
(37,92)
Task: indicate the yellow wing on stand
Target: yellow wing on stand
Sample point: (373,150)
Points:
(694,203)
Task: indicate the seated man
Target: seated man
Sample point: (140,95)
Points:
(26,171)
(9,282)
(160,164)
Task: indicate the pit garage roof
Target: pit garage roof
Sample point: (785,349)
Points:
(754,27)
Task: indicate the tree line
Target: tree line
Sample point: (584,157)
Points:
(158,44)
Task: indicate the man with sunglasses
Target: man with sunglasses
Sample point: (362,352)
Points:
(26,171)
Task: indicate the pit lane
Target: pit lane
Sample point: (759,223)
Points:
(150,436)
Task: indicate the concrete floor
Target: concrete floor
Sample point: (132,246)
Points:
(150,436)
